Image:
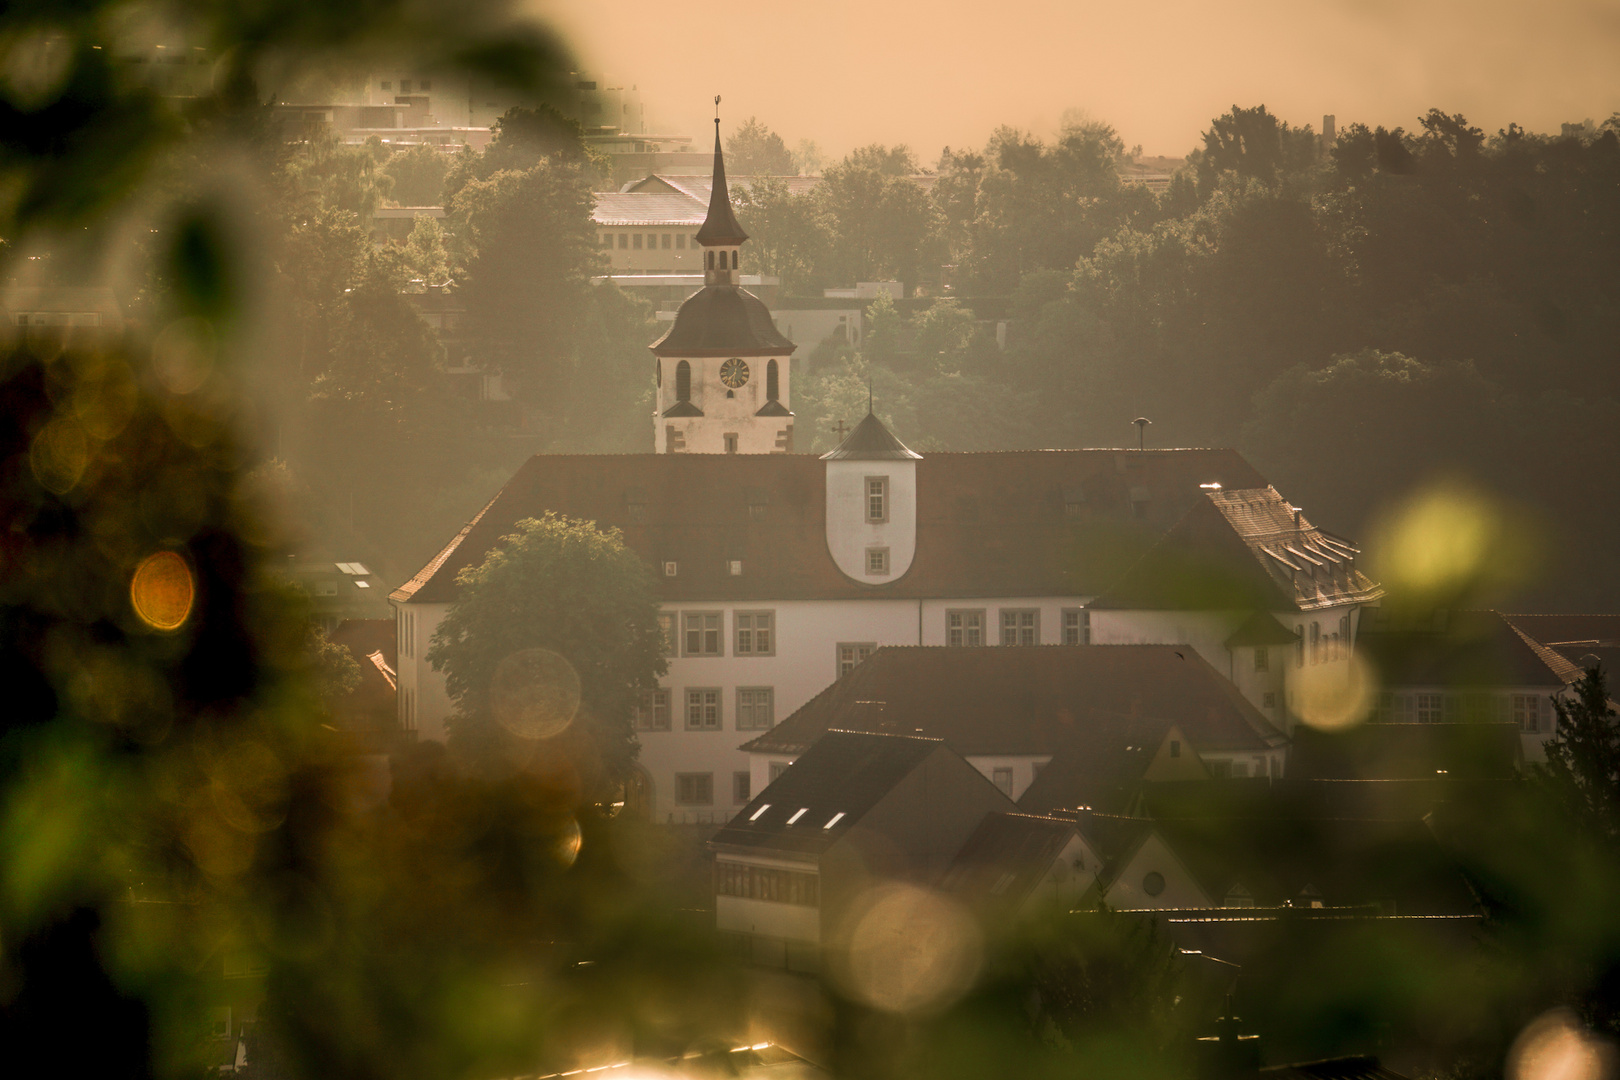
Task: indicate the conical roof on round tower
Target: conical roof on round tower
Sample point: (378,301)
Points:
(871,441)
(720,226)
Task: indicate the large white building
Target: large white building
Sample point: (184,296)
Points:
(779,572)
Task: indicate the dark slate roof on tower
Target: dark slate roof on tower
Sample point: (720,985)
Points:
(871,441)
(720,227)
(723,320)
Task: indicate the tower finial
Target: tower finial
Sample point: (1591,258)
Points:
(717,110)
(868,391)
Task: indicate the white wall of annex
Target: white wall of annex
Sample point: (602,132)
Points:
(766,918)
(849,534)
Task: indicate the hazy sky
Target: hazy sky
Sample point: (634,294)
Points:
(948,71)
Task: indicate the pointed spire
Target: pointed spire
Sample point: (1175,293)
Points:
(720,228)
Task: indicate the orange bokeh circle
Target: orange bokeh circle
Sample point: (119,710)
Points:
(162,590)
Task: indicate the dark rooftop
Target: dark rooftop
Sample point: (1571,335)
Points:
(1461,649)
(1007,856)
(1243,549)
(827,791)
(1020,523)
(1030,700)
(723,320)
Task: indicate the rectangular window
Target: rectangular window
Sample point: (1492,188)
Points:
(1268,700)
(666,626)
(703,708)
(1299,646)
(404,86)
(877,561)
(777,769)
(877,499)
(1020,626)
(1003,779)
(635,242)
(1262,658)
(388,84)
(1316,643)
(694,789)
(755,633)
(730,441)
(766,883)
(964,628)
(1076,626)
(1430,708)
(741,782)
(624,241)
(652,711)
(756,708)
(702,633)
(680,241)
(1527,712)
(607,239)
(851,653)
(668,239)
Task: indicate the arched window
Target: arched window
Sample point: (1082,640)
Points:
(711,260)
(772,384)
(734,260)
(683,381)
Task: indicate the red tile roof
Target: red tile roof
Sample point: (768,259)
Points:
(1000,700)
(1021,523)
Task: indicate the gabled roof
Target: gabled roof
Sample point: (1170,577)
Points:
(1031,700)
(1480,649)
(700,187)
(1260,628)
(1007,856)
(871,441)
(1601,631)
(1020,523)
(827,791)
(720,227)
(723,320)
(1243,548)
(616,208)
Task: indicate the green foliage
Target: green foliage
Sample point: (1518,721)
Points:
(418,175)
(522,139)
(883,226)
(342,179)
(569,587)
(1583,759)
(426,256)
(337,672)
(756,150)
(789,235)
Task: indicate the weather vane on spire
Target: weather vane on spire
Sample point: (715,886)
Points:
(717,110)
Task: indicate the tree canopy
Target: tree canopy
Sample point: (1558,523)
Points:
(563,588)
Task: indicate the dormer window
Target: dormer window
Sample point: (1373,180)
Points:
(877,500)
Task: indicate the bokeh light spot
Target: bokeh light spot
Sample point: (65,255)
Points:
(162,590)
(535,693)
(1331,697)
(59,455)
(1557,1046)
(911,950)
(568,842)
(183,355)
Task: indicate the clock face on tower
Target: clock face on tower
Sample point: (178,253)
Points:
(734,372)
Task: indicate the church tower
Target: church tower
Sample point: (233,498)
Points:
(724,378)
